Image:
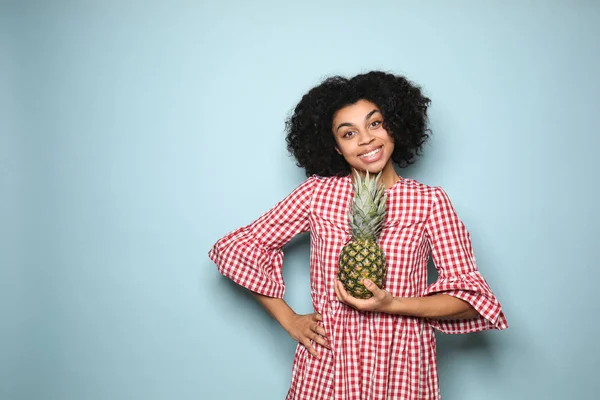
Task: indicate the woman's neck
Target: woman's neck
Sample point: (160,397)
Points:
(389,175)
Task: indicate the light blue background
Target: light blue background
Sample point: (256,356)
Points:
(135,134)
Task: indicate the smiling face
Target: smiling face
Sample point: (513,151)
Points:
(361,138)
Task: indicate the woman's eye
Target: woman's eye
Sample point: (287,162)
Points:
(375,124)
(349,134)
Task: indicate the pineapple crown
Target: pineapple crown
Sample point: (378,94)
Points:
(368,207)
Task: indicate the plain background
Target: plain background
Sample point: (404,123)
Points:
(135,134)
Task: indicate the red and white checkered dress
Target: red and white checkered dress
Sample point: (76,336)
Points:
(374,355)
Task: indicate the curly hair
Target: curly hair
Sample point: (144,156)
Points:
(309,129)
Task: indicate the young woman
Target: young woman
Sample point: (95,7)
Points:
(382,347)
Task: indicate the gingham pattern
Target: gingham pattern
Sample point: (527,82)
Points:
(374,355)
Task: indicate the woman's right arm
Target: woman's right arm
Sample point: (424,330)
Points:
(302,328)
(252,257)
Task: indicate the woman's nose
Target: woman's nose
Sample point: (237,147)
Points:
(365,138)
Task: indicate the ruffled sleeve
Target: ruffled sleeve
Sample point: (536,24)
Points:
(251,256)
(458,275)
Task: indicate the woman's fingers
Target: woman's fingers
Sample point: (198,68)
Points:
(341,293)
(311,332)
(306,342)
(337,291)
(321,340)
(316,338)
(319,335)
(320,330)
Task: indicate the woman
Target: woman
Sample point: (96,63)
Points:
(382,347)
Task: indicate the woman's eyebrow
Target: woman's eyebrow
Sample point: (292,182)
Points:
(343,124)
(369,115)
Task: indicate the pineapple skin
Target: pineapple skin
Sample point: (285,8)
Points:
(359,260)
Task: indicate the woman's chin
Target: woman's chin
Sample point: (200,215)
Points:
(372,168)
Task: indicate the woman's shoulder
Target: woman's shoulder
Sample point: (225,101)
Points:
(413,185)
(318,186)
(426,194)
(332,185)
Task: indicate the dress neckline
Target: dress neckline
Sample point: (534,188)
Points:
(348,179)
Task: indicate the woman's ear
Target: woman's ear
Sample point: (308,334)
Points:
(338,150)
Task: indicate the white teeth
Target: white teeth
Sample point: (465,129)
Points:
(371,153)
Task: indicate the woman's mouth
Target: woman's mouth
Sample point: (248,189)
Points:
(372,155)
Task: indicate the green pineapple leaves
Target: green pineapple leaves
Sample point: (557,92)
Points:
(368,208)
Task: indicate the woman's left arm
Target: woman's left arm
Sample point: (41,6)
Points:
(460,301)
(437,306)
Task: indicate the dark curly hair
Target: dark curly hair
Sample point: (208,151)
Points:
(309,132)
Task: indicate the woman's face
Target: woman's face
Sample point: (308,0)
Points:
(361,138)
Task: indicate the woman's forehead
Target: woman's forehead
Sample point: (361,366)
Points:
(356,112)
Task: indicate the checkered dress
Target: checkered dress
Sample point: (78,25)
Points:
(373,355)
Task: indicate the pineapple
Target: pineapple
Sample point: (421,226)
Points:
(362,257)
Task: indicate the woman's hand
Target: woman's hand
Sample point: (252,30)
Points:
(304,328)
(380,302)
